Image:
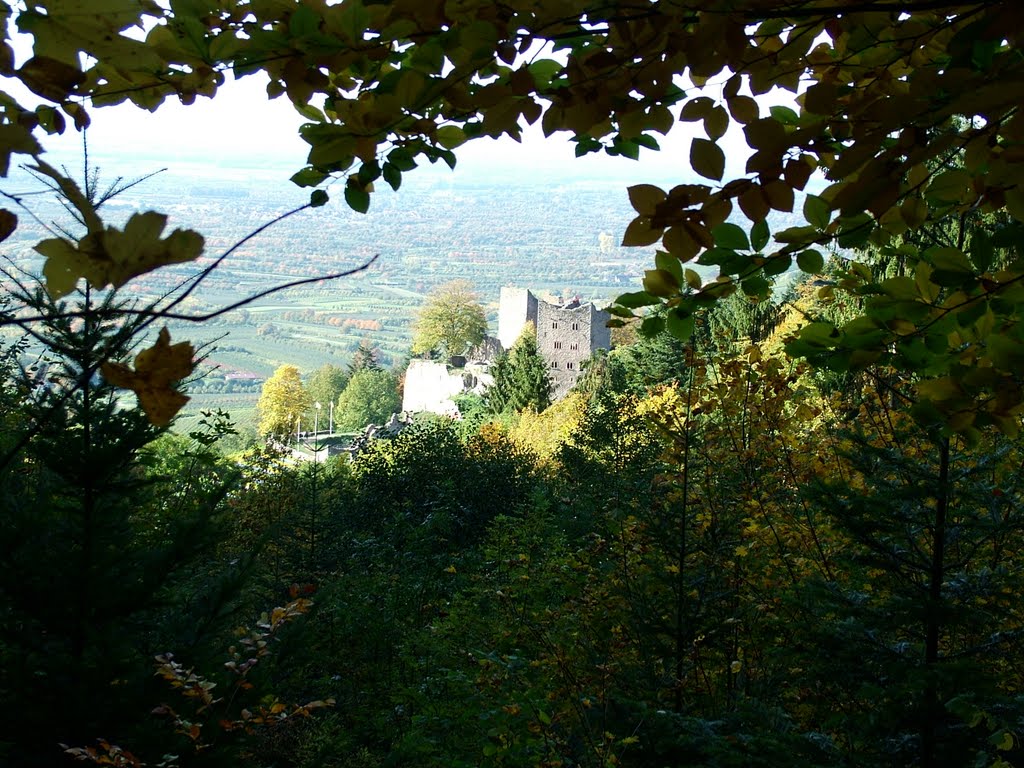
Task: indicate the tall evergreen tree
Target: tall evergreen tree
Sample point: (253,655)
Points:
(91,542)
(520,378)
(363,359)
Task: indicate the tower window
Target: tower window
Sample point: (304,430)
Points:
(574,346)
(558,345)
(554,363)
(568,366)
(575,326)
(554,324)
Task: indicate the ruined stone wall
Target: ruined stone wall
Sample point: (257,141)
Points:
(430,386)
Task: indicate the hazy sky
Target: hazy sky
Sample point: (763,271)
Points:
(240,126)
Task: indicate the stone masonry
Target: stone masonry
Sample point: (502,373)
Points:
(567,333)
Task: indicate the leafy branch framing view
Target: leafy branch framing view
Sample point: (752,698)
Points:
(888,542)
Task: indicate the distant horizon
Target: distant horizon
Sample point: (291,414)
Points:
(241,129)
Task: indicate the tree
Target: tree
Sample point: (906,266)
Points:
(452,320)
(326,383)
(363,359)
(370,398)
(282,400)
(414,84)
(520,378)
(96,535)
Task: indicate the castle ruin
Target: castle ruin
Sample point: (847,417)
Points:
(567,333)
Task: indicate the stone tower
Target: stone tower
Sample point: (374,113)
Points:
(567,333)
(516,308)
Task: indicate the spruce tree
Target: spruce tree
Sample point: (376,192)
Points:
(520,378)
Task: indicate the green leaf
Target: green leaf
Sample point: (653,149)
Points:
(776,265)
(1003,740)
(757,286)
(948,187)
(303,22)
(402,159)
(810,261)
(855,231)
(636,300)
(679,325)
(354,20)
(544,71)
(784,115)
(659,282)
(450,136)
(817,211)
(730,236)
(392,175)
(707,159)
(652,326)
(308,177)
(982,251)
(820,334)
(1005,353)
(357,197)
(368,173)
(318,198)
(796,235)
(949,260)
(669,263)
(760,234)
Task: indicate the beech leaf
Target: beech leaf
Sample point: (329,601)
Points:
(155,376)
(707,159)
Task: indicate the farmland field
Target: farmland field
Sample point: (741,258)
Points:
(560,238)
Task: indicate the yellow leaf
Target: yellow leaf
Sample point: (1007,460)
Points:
(639,233)
(113,257)
(138,248)
(157,371)
(707,159)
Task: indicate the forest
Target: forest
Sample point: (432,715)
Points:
(772,526)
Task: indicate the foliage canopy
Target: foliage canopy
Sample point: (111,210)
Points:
(452,320)
(370,397)
(911,110)
(282,400)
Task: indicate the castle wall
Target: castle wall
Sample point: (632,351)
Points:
(430,386)
(517,307)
